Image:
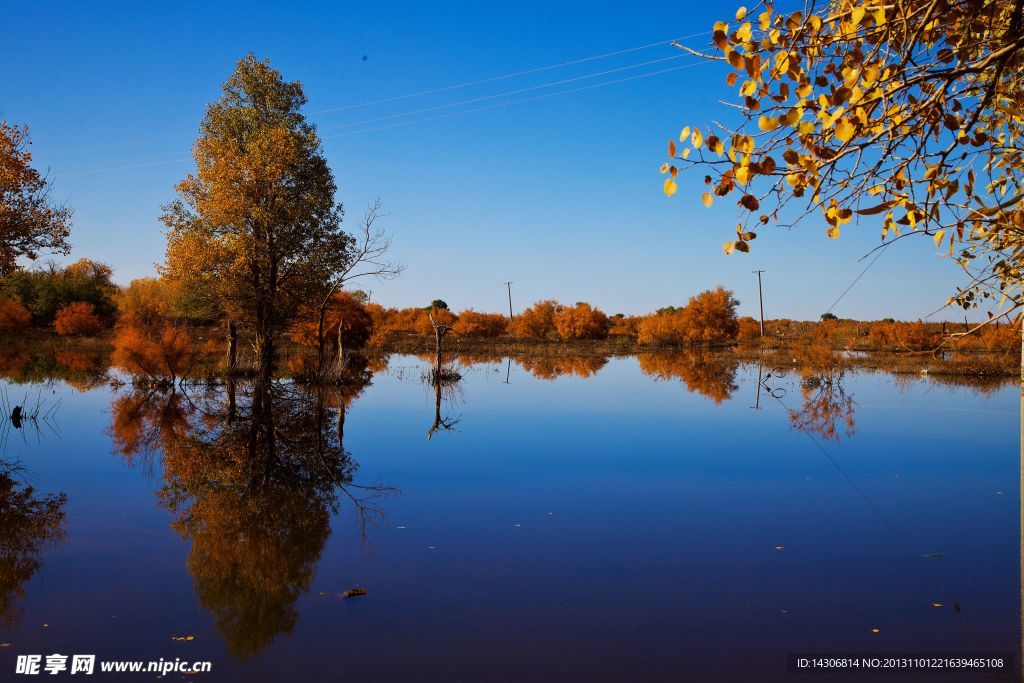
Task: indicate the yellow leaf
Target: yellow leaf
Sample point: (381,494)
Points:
(806,128)
(740,13)
(857,15)
(845,130)
(685,134)
(670,186)
(832,232)
(879,15)
(937,238)
(743,32)
(697,138)
(707,199)
(748,88)
(742,173)
(729,247)
(767,123)
(664,168)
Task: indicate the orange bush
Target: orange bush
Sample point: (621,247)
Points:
(624,326)
(473,324)
(77,318)
(155,352)
(748,328)
(661,329)
(536,322)
(581,321)
(710,316)
(356,323)
(14,317)
(148,301)
(442,316)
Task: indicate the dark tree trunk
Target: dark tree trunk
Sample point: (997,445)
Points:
(320,357)
(341,340)
(232,354)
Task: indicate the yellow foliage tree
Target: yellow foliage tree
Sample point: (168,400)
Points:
(909,112)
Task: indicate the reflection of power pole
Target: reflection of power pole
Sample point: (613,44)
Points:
(760,299)
(509,285)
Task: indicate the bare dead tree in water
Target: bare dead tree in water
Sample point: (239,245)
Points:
(368,259)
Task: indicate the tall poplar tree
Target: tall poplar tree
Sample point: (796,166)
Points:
(256,229)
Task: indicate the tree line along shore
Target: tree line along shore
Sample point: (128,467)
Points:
(158,326)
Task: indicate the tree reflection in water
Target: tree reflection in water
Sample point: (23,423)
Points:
(252,480)
(710,374)
(28,523)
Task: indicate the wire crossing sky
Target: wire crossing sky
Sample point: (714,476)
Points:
(506,143)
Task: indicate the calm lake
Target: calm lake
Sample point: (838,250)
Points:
(660,518)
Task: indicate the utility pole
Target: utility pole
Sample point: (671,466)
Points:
(509,285)
(760,299)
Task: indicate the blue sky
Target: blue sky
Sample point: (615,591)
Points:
(561,195)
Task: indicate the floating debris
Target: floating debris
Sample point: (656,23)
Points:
(936,604)
(5,644)
(934,556)
(874,630)
(780,547)
(183,637)
(356,592)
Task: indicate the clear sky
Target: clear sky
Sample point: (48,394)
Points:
(559,194)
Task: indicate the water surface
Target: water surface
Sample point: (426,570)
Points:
(660,518)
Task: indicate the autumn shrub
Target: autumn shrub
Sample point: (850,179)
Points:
(44,291)
(748,328)
(624,326)
(164,351)
(474,324)
(667,328)
(536,322)
(826,330)
(14,317)
(344,308)
(441,316)
(916,336)
(149,301)
(77,318)
(710,317)
(581,321)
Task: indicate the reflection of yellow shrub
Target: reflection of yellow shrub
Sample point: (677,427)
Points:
(160,352)
(708,374)
(545,367)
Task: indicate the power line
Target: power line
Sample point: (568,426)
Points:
(510,75)
(396,98)
(426,119)
(855,280)
(522,101)
(502,94)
